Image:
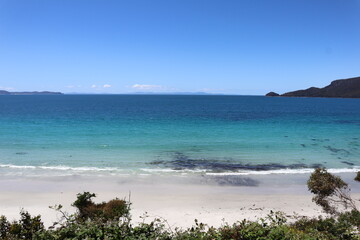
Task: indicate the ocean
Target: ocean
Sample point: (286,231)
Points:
(139,135)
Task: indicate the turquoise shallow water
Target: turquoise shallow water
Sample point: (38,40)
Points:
(153,134)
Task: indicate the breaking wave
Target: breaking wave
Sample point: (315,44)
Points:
(159,171)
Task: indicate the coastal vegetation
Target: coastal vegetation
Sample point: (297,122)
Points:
(112,220)
(331,192)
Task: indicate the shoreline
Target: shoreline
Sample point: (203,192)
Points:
(178,201)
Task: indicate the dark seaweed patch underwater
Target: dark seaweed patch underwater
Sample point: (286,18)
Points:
(181,161)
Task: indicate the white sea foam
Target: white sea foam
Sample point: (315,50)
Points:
(149,171)
(252,172)
(60,168)
(169,170)
(165,170)
(16,166)
(287,171)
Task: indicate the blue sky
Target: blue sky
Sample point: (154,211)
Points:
(217,46)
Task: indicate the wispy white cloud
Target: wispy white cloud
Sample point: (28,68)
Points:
(147,87)
(212,90)
(98,87)
(6,88)
(73,86)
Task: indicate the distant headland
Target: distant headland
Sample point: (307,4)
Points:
(342,88)
(3,92)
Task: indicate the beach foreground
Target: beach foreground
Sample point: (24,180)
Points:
(176,201)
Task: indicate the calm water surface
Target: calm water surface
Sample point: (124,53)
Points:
(168,134)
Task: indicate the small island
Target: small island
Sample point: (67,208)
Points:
(3,92)
(342,88)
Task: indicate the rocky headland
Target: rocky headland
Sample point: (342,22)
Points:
(3,92)
(342,88)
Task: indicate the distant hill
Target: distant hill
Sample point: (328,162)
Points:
(3,92)
(342,88)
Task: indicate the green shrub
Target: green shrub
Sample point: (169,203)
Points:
(26,228)
(114,209)
(105,211)
(330,191)
(4,227)
(357,178)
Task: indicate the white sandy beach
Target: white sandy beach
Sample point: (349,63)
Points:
(179,203)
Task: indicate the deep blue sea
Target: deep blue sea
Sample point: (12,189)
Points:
(176,134)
